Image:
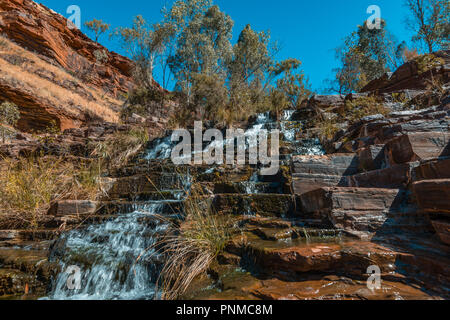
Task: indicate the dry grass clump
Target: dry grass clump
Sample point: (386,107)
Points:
(29,186)
(327,129)
(118,150)
(364,106)
(190,248)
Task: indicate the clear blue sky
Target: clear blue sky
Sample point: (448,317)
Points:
(307,29)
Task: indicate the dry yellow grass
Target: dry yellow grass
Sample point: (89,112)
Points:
(35,75)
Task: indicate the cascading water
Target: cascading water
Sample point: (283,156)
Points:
(291,130)
(114,258)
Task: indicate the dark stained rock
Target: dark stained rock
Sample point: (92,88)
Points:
(411,76)
(433,196)
(312,172)
(266,205)
(443,230)
(416,147)
(433,169)
(371,157)
(74,207)
(358,211)
(395,177)
(327,101)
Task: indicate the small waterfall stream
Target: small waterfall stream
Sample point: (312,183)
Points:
(107,253)
(113,257)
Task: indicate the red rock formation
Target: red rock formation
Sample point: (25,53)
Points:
(410,76)
(41,30)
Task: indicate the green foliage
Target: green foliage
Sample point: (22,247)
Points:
(98,27)
(430,21)
(147,45)
(203,47)
(142,101)
(9,115)
(327,129)
(213,79)
(365,55)
(101,56)
(293,85)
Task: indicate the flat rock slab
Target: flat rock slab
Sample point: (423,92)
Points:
(351,209)
(74,207)
(395,177)
(313,172)
(336,288)
(351,257)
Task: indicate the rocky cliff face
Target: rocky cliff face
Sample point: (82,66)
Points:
(51,73)
(39,29)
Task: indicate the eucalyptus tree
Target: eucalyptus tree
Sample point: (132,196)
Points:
(430,21)
(146,44)
(203,47)
(365,55)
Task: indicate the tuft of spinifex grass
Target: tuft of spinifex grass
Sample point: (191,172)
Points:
(189,248)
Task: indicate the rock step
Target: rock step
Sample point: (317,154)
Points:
(358,211)
(247,187)
(433,196)
(29,235)
(156,207)
(433,169)
(312,172)
(271,205)
(163,195)
(292,257)
(139,184)
(417,146)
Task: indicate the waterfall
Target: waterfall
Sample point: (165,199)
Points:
(114,258)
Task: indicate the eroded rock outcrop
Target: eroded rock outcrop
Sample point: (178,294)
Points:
(41,30)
